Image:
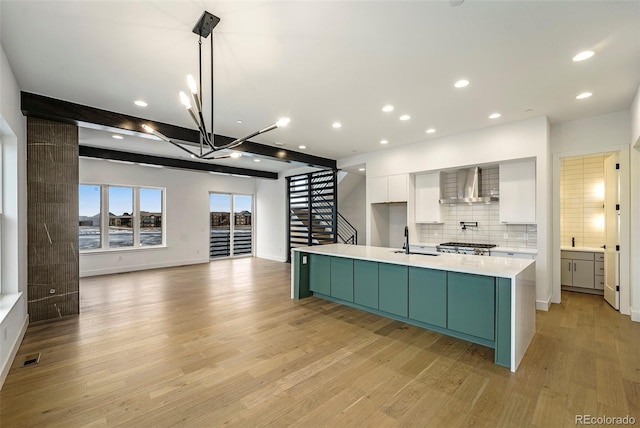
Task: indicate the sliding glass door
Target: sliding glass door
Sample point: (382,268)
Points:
(231,231)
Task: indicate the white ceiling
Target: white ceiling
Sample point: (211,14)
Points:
(324,61)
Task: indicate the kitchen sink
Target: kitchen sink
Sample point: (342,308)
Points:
(420,254)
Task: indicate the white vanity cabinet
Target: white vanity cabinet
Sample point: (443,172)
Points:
(427,198)
(518,192)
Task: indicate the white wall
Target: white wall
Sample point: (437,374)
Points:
(186,218)
(352,201)
(518,140)
(13,307)
(598,134)
(635,207)
(271,219)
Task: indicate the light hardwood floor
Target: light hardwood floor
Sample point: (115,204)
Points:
(222,344)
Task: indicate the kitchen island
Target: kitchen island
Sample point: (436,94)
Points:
(485,300)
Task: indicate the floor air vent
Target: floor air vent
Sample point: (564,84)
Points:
(31,360)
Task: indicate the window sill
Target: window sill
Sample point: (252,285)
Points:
(122,250)
(7,302)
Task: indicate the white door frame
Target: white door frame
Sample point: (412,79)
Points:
(625,222)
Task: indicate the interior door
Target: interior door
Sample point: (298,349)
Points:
(612,231)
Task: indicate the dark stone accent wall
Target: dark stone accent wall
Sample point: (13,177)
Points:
(52,223)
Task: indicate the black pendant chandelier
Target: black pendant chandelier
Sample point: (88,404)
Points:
(208,148)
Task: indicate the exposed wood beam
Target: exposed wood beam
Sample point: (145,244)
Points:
(101,153)
(34,105)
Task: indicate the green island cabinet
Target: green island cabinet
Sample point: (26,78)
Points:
(365,283)
(393,286)
(428,296)
(473,307)
(471,304)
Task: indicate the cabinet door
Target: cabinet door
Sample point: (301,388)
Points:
(365,283)
(320,274)
(427,198)
(583,273)
(342,278)
(379,190)
(566,271)
(393,283)
(428,296)
(398,187)
(518,192)
(471,304)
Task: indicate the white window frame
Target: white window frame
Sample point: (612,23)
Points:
(135,216)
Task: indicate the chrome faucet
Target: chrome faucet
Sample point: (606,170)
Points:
(406,239)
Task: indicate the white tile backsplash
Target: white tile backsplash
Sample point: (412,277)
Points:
(489,230)
(581,201)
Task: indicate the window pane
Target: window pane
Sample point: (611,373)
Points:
(120,219)
(219,216)
(89,217)
(150,217)
(242,206)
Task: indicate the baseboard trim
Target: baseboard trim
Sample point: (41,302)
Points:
(543,305)
(272,257)
(14,351)
(635,315)
(134,268)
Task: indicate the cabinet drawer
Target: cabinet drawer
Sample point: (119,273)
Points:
(599,257)
(576,255)
(598,268)
(599,282)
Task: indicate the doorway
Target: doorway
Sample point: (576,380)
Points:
(231,225)
(592,210)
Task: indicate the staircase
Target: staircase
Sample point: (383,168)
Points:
(313,215)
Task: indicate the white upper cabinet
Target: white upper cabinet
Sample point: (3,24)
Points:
(518,192)
(392,188)
(427,198)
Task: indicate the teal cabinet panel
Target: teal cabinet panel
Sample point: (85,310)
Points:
(428,296)
(471,304)
(342,278)
(301,275)
(393,284)
(365,283)
(503,322)
(320,274)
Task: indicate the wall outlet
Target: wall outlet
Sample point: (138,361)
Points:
(505,236)
(436,233)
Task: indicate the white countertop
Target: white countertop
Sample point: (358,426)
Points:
(584,249)
(480,265)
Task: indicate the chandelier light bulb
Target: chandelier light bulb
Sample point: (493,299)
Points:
(283,122)
(185,100)
(192,84)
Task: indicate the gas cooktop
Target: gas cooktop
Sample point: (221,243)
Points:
(467,245)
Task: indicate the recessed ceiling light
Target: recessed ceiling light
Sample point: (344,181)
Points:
(140,103)
(302,147)
(387,108)
(337,125)
(117,137)
(405,117)
(384,142)
(461,83)
(583,55)
(256,160)
(238,121)
(583,95)
(430,131)
(361,169)
(235,155)
(494,115)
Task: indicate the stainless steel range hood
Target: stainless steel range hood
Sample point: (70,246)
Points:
(469,188)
